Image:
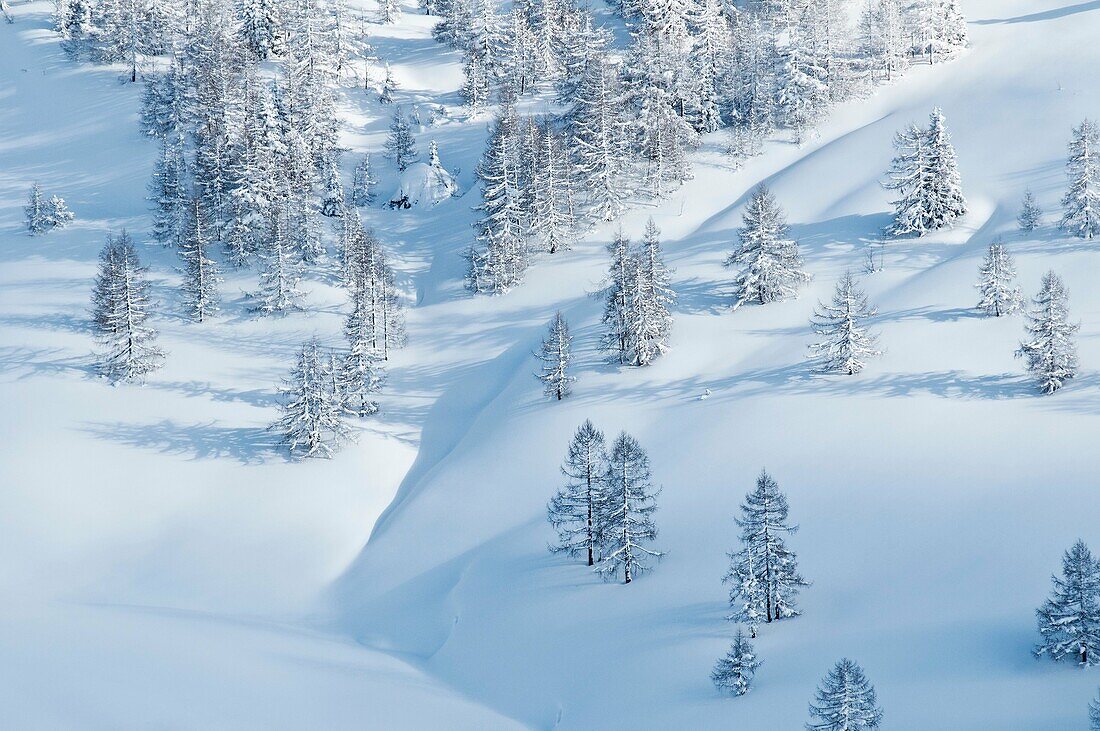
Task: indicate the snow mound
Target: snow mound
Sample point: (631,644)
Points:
(425,184)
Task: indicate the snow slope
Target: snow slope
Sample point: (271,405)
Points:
(935,491)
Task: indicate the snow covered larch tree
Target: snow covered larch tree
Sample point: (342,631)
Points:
(1094,714)
(1081,203)
(280,272)
(1031,215)
(847,342)
(734,672)
(926,174)
(769,261)
(626,518)
(401,145)
(845,701)
(649,320)
(311,424)
(996,282)
(1051,353)
(200,272)
(576,510)
(764,556)
(44,215)
(1069,621)
(363,182)
(556,357)
(120,310)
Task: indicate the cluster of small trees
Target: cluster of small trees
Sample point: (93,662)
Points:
(44,214)
(604,512)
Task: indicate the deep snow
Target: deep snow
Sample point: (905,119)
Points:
(164,564)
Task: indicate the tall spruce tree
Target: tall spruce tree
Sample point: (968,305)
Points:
(734,672)
(200,273)
(280,272)
(769,261)
(601,139)
(1050,353)
(576,510)
(401,145)
(649,320)
(764,556)
(311,424)
(626,518)
(556,357)
(363,182)
(996,282)
(503,257)
(847,342)
(926,174)
(120,311)
(1081,203)
(845,701)
(1069,621)
(619,298)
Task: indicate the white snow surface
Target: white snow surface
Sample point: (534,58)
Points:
(163,565)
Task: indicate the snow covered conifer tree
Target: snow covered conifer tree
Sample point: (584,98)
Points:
(848,343)
(1081,203)
(650,321)
(120,309)
(38,220)
(771,266)
(552,206)
(995,281)
(735,671)
(556,358)
(845,701)
(332,198)
(746,592)
(617,316)
(363,183)
(1051,353)
(882,38)
(502,262)
(1031,215)
(1094,714)
(401,145)
(389,86)
(200,273)
(388,11)
(764,554)
(311,425)
(281,269)
(576,509)
(600,139)
(57,213)
(927,176)
(361,374)
(802,95)
(1069,621)
(626,520)
(168,193)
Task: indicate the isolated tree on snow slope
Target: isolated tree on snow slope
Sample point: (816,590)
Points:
(845,701)
(848,343)
(556,357)
(996,277)
(1081,203)
(769,261)
(311,425)
(576,510)
(734,672)
(1051,353)
(626,517)
(1069,621)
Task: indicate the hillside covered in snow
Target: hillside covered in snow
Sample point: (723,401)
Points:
(168,561)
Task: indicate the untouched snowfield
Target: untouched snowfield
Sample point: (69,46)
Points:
(164,565)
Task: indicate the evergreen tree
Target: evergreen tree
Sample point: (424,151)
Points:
(363,183)
(847,342)
(746,592)
(765,555)
(1094,714)
(926,174)
(734,672)
(58,214)
(619,297)
(556,358)
(311,425)
(1081,203)
(401,145)
(280,272)
(996,279)
(942,29)
(845,701)
(1051,353)
(388,11)
(168,192)
(771,266)
(626,518)
(552,207)
(600,140)
(802,93)
(752,80)
(1031,215)
(261,27)
(361,375)
(650,321)
(332,199)
(200,273)
(502,261)
(1069,621)
(883,43)
(377,315)
(575,511)
(477,83)
(120,310)
(389,86)
(38,219)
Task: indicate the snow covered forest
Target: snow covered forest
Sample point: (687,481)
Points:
(550,364)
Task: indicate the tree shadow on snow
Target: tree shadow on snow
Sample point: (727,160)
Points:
(247,445)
